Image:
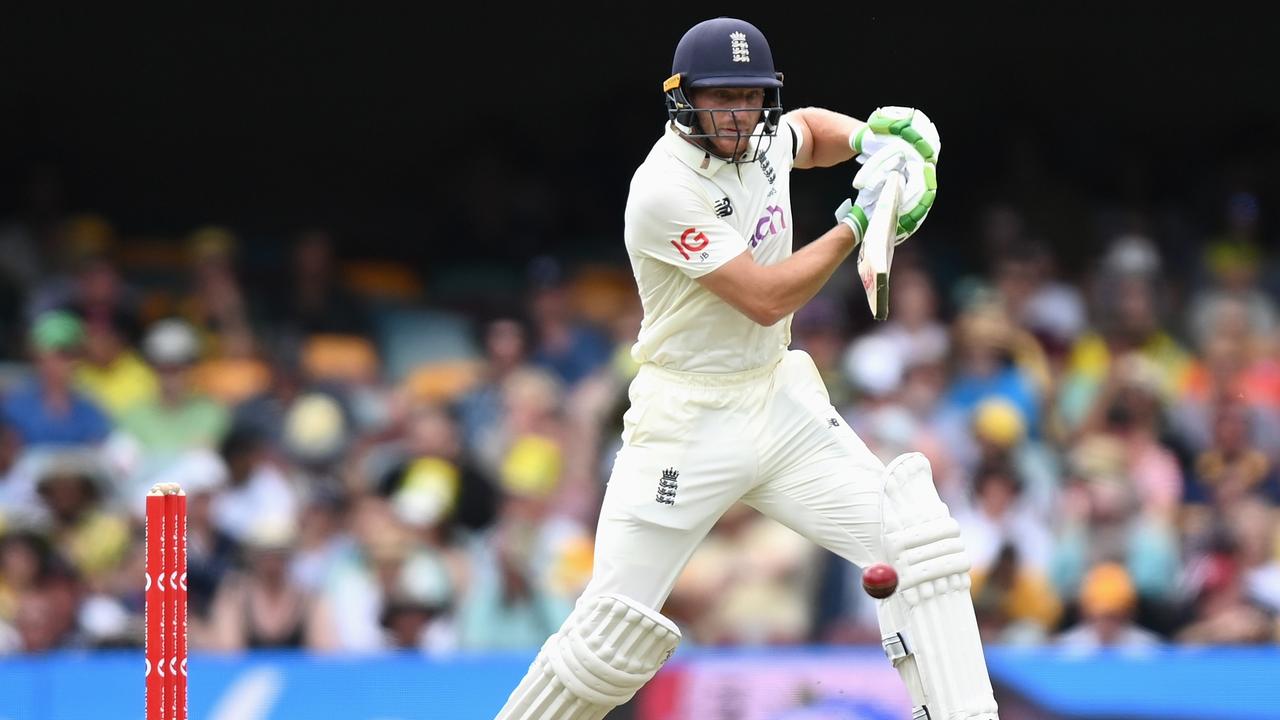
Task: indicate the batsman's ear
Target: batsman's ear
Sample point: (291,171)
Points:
(773,99)
(678,106)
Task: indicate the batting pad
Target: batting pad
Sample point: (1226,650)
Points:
(606,650)
(928,626)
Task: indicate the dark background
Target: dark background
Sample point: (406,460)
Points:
(501,134)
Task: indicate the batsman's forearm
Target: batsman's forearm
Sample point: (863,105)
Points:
(830,131)
(794,281)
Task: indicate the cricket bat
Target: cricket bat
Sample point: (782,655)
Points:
(876,254)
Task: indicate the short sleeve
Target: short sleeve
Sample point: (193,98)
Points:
(675,225)
(791,138)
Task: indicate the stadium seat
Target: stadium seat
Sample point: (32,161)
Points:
(409,338)
(382,281)
(340,358)
(442,381)
(231,380)
(601,293)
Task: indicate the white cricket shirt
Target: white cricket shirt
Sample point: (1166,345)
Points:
(688,213)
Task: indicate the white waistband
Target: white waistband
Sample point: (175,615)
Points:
(708,379)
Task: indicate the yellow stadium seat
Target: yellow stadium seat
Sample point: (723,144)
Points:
(382,280)
(341,358)
(442,381)
(601,293)
(231,380)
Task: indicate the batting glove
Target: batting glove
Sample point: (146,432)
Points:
(911,131)
(869,182)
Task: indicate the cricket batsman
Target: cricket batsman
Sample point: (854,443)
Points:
(722,411)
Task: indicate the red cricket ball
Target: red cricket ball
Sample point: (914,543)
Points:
(880,580)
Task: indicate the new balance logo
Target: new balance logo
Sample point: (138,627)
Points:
(723,207)
(833,422)
(667,487)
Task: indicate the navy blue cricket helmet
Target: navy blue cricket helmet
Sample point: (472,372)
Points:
(724,52)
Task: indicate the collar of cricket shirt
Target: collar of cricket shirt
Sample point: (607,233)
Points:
(701,161)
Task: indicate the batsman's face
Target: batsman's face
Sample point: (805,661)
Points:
(732,115)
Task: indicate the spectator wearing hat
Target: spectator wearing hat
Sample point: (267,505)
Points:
(431,480)
(1014,603)
(416,613)
(216,306)
(1135,482)
(232,367)
(294,411)
(108,369)
(530,566)
(178,418)
(87,281)
(316,436)
(424,499)
(1139,481)
(316,442)
(46,409)
(1132,410)
(1126,301)
(1108,601)
(514,397)
(993,357)
(211,552)
(261,606)
(103,622)
(84,526)
(425,496)
(363,580)
(1235,264)
(110,309)
(999,435)
(873,367)
(256,488)
(876,367)
(533,403)
(1102,516)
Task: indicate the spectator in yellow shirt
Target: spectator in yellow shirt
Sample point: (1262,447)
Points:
(1014,603)
(95,539)
(112,373)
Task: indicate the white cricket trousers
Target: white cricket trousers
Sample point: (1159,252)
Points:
(694,444)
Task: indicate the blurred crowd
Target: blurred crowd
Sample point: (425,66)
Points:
(369,467)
